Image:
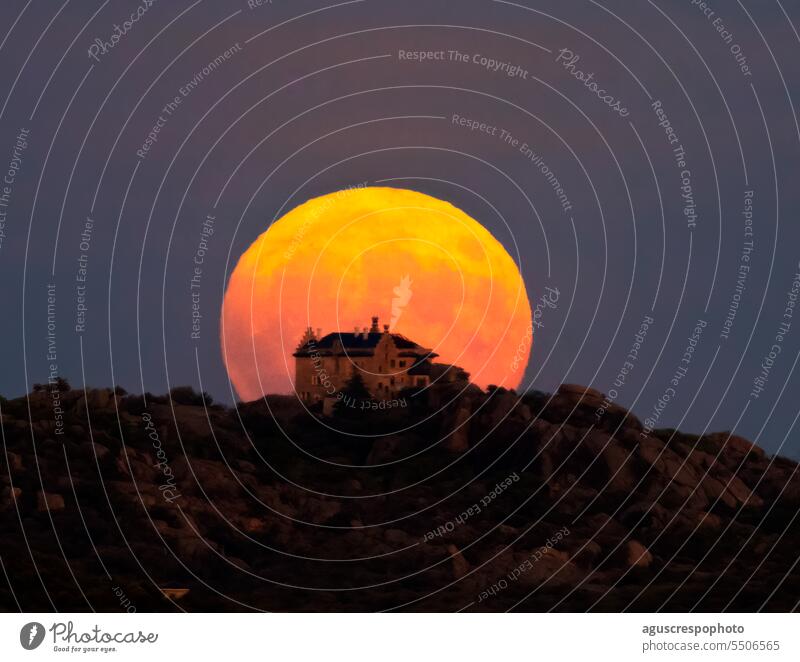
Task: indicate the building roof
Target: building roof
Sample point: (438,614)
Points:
(341,343)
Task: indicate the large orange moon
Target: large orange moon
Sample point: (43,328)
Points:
(419,263)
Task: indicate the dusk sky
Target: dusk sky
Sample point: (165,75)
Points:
(647,172)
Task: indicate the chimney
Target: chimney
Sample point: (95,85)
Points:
(365,333)
(386,328)
(375,328)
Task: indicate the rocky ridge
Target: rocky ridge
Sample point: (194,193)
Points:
(495,502)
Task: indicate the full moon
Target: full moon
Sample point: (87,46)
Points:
(421,265)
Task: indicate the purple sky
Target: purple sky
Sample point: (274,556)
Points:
(289,100)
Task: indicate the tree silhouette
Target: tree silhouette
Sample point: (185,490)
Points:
(353,395)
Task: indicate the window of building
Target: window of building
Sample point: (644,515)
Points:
(402,364)
(391,363)
(420,381)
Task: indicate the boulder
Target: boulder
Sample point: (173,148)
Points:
(602,524)
(669,464)
(676,495)
(636,555)
(47,501)
(192,548)
(645,516)
(649,449)
(739,491)
(212,477)
(584,395)
(544,564)
(8,495)
(100,450)
(730,443)
(585,552)
(715,490)
(253,525)
(505,406)
(709,520)
(615,462)
(460,565)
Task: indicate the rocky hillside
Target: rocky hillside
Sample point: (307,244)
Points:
(493,502)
